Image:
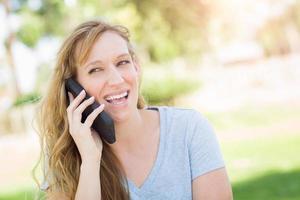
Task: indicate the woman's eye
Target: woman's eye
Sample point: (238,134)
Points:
(123,62)
(94,70)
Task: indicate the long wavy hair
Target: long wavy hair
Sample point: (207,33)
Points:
(58,148)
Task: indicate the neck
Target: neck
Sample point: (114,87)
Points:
(130,132)
(129,129)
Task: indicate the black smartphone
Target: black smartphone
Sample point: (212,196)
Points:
(103,123)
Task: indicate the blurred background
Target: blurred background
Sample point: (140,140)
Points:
(237,62)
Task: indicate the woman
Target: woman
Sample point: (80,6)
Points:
(160,152)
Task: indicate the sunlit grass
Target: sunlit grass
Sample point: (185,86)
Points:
(261,165)
(21,193)
(249,158)
(250,116)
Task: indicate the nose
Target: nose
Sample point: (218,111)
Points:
(115,77)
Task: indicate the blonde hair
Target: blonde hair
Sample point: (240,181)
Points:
(57,145)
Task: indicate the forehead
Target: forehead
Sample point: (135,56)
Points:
(108,45)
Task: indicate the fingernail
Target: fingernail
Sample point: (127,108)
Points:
(82,92)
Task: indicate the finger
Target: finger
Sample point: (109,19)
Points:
(74,104)
(78,111)
(90,119)
(71,98)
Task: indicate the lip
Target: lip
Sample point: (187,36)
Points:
(116,93)
(121,104)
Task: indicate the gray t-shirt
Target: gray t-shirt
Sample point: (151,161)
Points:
(188,148)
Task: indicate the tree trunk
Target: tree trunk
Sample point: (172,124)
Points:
(9,54)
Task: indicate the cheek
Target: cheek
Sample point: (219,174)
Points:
(93,88)
(131,76)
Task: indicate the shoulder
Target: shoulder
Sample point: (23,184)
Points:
(194,124)
(184,116)
(178,112)
(183,121)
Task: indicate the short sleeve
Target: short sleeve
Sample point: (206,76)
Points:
(204,150)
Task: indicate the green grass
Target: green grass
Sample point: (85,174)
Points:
(265,168)
(257,156)
(23,190)
(273,185)
(22,193)
(250,116)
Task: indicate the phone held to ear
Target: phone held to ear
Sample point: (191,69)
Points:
(103,123)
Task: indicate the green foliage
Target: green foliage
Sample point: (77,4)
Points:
(126,15)
(27,99)
(55,16)
(172,28)
(31,30)
(158,38)
(166,30)
(163,87)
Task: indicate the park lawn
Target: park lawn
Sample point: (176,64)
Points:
(250,116)
(20,193)
(264,168)
(24,190)
(264,163)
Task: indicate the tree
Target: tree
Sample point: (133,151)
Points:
(8,48)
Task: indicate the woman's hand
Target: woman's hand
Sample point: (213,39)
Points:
(86,139)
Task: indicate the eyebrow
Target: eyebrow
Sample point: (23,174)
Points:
(99,61)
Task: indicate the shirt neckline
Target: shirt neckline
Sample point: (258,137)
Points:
(157,163)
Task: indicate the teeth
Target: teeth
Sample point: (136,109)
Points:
(110,98)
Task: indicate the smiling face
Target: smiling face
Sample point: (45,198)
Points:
(111,75)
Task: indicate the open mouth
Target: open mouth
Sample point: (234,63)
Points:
(118,99)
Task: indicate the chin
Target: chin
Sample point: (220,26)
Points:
(119,119)
(120,116)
